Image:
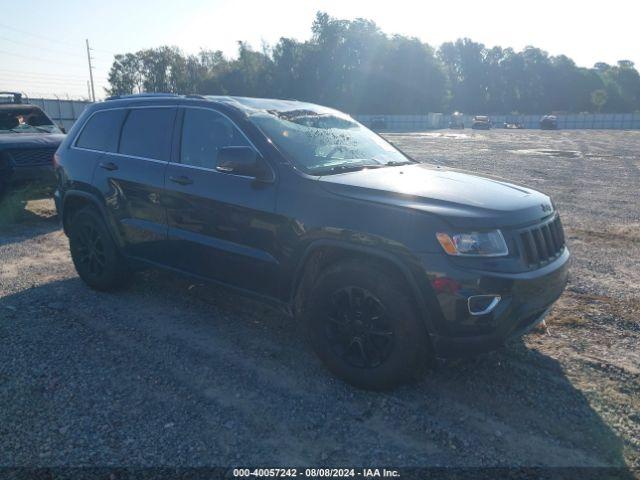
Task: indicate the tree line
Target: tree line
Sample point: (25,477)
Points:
(353,66)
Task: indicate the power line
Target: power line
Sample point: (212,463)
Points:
(79,87)
(27,57)
(32,81)
(43,37)
(56,83)
(42,75)
(46,75)
(47,81)
(102,59)
(39,47)
(59,52)
(105,51)
(50,39)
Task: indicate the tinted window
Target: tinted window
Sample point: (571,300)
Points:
(204,132)
(101,131)
(147,133)
(25,120)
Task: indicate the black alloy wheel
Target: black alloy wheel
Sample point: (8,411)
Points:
(358,328)
(362,323)
(94,253)
(90,250)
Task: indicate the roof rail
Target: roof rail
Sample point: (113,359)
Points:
(142,95)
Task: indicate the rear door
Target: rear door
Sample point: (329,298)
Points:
(131,179)
(98,135)
(221,226)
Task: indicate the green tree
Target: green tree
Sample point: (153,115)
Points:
(599,99)
(464,62)
(354,66)
(125,76)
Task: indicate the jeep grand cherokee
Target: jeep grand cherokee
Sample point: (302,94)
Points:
(388,262)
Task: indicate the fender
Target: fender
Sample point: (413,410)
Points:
(425,298)
(93,199)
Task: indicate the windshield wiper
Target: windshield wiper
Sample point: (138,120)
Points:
(345,167)
(397,163)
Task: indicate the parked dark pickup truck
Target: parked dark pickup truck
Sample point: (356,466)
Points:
(28,141)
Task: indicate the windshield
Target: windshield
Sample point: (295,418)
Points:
(26,120)
(326,143)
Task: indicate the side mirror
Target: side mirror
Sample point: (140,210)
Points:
(244,161)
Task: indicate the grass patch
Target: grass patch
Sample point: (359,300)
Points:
(13,203)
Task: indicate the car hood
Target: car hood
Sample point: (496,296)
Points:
(460,198)
(30,140)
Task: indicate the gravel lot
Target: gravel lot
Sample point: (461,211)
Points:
(169,372)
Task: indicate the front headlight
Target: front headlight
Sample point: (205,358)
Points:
(474,244)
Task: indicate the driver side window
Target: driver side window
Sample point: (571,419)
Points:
(204,133)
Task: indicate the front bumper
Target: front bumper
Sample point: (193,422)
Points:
(525,299)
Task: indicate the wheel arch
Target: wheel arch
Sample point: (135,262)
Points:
(323,253)
(75,200)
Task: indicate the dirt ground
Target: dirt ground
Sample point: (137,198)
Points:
(169,372)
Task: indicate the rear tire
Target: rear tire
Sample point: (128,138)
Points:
(94,253)
(363,325)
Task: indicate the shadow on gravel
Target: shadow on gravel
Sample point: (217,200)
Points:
(27,221)
(171,373)
(522,403)
(31,225)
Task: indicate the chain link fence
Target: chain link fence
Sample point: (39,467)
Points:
(66,112)
(62,112)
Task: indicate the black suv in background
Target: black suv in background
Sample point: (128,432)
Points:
(388,262)
(481,122)
(549,122)
(28,140)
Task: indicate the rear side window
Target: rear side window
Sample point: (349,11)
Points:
(147,133)
(204,132)
(101,131)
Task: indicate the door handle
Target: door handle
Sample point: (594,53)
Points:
(182,180)
(108,166)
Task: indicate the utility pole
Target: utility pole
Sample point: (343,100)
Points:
(93,92)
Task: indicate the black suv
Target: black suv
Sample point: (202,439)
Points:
(28,140)
(481,122)
(549,122)
(388,262)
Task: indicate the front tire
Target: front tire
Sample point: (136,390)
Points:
(94,253)
(363,325)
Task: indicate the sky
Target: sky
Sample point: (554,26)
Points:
(43,53)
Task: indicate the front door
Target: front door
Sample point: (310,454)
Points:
(221,226)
